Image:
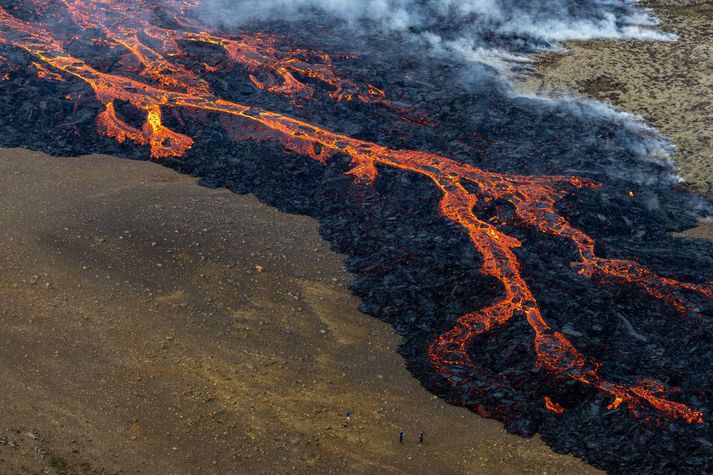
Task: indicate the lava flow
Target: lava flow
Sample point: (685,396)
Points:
(270,68)
(165,84)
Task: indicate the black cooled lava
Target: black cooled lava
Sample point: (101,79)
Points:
(521,247)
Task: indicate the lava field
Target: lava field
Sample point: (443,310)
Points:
(522,247)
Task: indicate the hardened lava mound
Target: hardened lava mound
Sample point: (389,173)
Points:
(522,247)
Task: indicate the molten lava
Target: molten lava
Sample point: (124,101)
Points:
(44,73)
(164,84)
(257,53)
(550,405)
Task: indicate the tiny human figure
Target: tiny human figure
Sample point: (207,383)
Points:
(420,438)
(348,416)
(401,437)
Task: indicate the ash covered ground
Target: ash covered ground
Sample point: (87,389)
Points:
(413,267)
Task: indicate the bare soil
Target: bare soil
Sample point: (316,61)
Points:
(668,83)
(149,325)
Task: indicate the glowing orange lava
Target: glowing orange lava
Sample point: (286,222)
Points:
(271,69)
(166,84)
(553,406)
(6,69)
(44,73)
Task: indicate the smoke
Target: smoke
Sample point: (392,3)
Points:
(496,32)
(502,35)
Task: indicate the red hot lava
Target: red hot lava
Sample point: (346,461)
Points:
(165,84)
(550,405)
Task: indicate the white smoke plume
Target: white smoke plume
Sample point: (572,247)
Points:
(501,34)
(496,32)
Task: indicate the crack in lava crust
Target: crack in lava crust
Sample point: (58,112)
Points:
(533,198)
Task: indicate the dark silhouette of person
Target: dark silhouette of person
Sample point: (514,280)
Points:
(401,437)
(348,416)
(420,438)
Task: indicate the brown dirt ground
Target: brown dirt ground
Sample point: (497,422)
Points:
(668,83)
(149,325)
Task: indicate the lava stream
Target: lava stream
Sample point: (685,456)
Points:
(533,198)
(258,53)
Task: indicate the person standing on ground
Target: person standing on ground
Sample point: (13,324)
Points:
(420,438)
(401,437)
(348,416)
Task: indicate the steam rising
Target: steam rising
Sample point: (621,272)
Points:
(496,32)
(501,34)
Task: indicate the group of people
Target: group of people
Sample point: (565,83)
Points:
(420,438)
(348,418)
